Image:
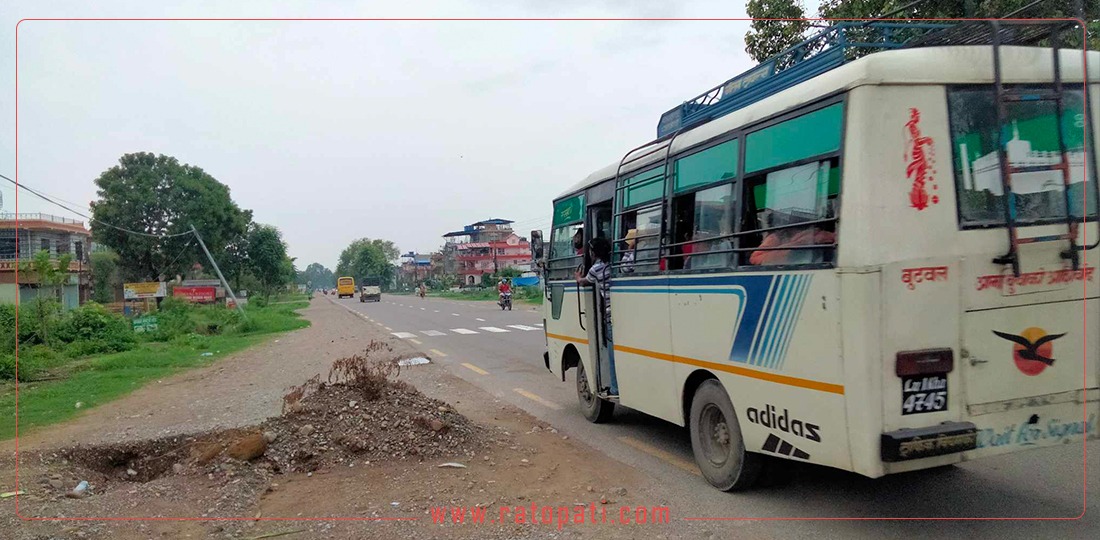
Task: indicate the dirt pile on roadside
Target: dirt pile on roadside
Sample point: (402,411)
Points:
(363,415)
(336,425)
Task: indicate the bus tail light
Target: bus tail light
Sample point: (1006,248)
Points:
(924,361)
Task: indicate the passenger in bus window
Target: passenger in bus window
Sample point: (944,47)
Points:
(627,262)
(600,276)
(791,236)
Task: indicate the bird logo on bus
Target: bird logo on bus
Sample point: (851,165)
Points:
(1032,350)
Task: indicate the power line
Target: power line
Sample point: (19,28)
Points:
(169,265)
(89,218)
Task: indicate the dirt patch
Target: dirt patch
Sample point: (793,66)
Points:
(336,425)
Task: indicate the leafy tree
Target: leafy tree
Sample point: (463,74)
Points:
(768,38)
(51,276)
(368,258)
(104,267)
(267,258)
(318,275)
(234,261)
(157,195)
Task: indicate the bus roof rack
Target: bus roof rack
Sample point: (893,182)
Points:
(1008,32)
(824,51)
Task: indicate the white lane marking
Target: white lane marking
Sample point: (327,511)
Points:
(463,331)
(456,314)
(493,329)
(539,325)
(523,327)
(432,333)
(422,309)
(437,311)
(482,320)
(404,335)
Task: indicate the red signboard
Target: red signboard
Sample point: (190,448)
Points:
(196,294)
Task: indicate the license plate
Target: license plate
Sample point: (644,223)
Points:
(923,394)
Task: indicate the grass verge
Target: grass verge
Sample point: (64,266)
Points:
(97,380)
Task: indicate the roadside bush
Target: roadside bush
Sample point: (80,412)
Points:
(173,319)
(7,328)
(91,329)
(32,362)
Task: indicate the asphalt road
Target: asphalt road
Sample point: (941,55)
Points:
(502,353)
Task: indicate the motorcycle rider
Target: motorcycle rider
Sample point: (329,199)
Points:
(422,291)
(505,286)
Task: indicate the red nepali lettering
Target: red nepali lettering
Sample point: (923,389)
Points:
(920,152)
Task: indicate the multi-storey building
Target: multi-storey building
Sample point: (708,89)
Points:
(485,247)
(22,236)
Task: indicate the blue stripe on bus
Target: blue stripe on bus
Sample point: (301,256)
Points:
(783,323)
(772,320)
(805,289)
(770,308)
(758,295)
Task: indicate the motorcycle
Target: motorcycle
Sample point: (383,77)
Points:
(505,301)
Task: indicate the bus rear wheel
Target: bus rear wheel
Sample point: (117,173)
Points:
(594,408)
(717,443)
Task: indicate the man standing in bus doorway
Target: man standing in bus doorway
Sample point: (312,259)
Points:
(600,276)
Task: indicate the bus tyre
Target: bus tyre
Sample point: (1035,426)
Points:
(595,409)
(717,443)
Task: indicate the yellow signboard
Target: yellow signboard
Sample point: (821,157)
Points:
(154,289)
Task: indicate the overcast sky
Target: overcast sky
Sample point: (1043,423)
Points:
(338,130)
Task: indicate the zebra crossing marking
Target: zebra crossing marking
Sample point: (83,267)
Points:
(523,327)
(493,329)
(404,335)
(463,331)
(432,333)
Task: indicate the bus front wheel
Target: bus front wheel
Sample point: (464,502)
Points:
(595,409)
(717,443)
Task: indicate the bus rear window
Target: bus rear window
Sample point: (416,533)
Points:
(1031,139)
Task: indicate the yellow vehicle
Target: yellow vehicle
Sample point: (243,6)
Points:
(345,286)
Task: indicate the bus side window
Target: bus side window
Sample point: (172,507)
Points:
(777,201)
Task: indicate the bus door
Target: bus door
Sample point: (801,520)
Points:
(597,225)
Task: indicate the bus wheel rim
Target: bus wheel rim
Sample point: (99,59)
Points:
(582,385)
(715,434)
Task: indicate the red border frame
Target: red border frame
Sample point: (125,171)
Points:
(1084,372)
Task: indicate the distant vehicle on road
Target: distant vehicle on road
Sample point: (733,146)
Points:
(371,291)
(345,286)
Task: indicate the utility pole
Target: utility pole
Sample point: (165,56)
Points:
(228,289)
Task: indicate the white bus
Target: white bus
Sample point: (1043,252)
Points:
(831,273)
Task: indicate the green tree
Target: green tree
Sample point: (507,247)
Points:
(104,267)
(267,258)
(767,38)
(368,258)
(51,275)
(157,195)
(318,275)
(234,260)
